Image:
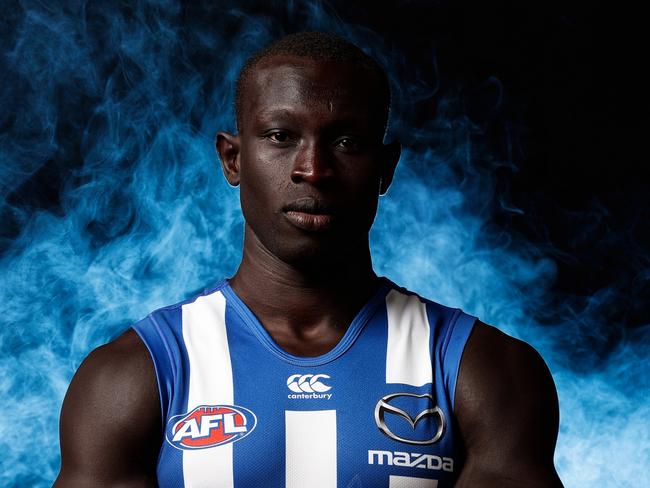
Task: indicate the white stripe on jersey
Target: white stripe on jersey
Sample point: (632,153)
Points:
(204,333)
(310,448)
(409,482)
(408,359)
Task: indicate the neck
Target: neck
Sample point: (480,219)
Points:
(291,296)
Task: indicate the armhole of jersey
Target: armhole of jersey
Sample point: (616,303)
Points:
(460,328)
(148,333)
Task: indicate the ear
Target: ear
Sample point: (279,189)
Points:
(390,158)
(228,148)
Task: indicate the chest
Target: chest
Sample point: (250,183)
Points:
(343,420)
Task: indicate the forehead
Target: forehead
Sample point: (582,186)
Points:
(291,84)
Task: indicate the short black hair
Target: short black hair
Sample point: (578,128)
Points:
(316,46)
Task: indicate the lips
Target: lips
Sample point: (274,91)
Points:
(309,205)
(310,214)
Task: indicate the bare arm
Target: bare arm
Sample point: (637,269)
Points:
(110,421)
(507,410)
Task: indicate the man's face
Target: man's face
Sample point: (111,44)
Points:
(311,157)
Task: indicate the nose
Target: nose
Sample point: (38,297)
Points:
(312,164)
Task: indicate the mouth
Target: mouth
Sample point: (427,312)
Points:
(309,205)
(310,214)
(308,221)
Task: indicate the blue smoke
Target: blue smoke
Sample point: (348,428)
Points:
(111,111)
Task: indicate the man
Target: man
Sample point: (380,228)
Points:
(306,369)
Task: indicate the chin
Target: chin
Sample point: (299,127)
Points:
(305,249)
(310,255)
(316,253)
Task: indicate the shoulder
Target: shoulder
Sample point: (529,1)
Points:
(507,409)
(122,365)
(491,354)
(113,386)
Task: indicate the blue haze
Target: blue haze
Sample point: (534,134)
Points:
(124,103)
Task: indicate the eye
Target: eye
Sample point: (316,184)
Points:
(349,144)
(278,136)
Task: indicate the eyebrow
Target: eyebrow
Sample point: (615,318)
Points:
(280,112)
(346,120)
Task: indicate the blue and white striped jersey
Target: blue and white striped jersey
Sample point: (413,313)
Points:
(375,411)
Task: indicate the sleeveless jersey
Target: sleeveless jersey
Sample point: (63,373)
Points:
(240,412)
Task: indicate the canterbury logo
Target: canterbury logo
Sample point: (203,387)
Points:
(383,407)
(308,383)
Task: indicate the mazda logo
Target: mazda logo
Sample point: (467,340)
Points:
(383,406)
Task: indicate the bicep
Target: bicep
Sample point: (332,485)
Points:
(110,421)
(507,411)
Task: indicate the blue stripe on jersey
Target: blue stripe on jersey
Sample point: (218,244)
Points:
(460,328)
(355,380)
(253,390)
(162,332)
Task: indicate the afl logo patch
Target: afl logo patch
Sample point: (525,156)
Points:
(209,426)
